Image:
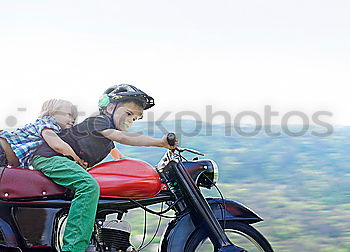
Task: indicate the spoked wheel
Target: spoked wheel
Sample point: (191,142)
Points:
(240,234)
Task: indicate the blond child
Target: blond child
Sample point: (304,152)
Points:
(17,147)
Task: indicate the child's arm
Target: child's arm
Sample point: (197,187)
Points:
(115,153)
(134,139)
(60,146)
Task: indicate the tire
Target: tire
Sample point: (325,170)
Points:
(240,234)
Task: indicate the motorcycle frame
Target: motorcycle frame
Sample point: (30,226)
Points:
(209,212)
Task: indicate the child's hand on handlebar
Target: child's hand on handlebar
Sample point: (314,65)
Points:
(166,143)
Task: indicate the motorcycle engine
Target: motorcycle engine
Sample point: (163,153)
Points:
(116,234)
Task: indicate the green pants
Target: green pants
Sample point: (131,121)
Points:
(82,212)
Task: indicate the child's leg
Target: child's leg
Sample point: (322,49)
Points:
(82,212)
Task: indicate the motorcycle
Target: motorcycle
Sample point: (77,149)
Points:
(33,209)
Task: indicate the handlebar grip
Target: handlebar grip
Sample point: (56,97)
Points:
(171,137)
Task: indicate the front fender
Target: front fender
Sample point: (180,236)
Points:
(179,230)
(232,210)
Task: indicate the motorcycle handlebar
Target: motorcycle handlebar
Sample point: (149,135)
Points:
(171,138)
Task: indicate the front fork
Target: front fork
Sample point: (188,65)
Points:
(201,211)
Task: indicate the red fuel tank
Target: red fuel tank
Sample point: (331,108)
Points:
(127,178)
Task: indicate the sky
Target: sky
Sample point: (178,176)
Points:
(230,55)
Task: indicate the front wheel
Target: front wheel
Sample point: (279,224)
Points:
(240,234)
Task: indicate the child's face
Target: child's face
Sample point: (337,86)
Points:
(125,115)
(64,117)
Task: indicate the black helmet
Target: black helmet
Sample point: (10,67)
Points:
(124,92)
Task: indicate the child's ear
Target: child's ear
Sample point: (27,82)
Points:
(110,108)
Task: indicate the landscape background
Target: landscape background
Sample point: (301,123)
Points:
(233,55)
(299,185)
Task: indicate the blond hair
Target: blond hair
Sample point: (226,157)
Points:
(50,107)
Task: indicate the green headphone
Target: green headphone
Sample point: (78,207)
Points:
(104,101)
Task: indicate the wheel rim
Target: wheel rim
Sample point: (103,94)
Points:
(239,238)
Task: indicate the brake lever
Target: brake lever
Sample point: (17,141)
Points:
(179,149)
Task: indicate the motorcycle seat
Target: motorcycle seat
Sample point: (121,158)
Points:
(19,183)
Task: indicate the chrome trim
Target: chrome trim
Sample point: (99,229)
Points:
(216,171)
(168,156)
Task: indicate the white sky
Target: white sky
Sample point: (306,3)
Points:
(234,55)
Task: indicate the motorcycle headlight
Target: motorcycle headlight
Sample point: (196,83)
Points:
(210,175)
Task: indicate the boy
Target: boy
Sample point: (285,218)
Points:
(93,139)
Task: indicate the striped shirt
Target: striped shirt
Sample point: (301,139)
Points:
(23,141)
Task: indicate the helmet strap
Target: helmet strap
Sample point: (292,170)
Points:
(111,115)
(114,109)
